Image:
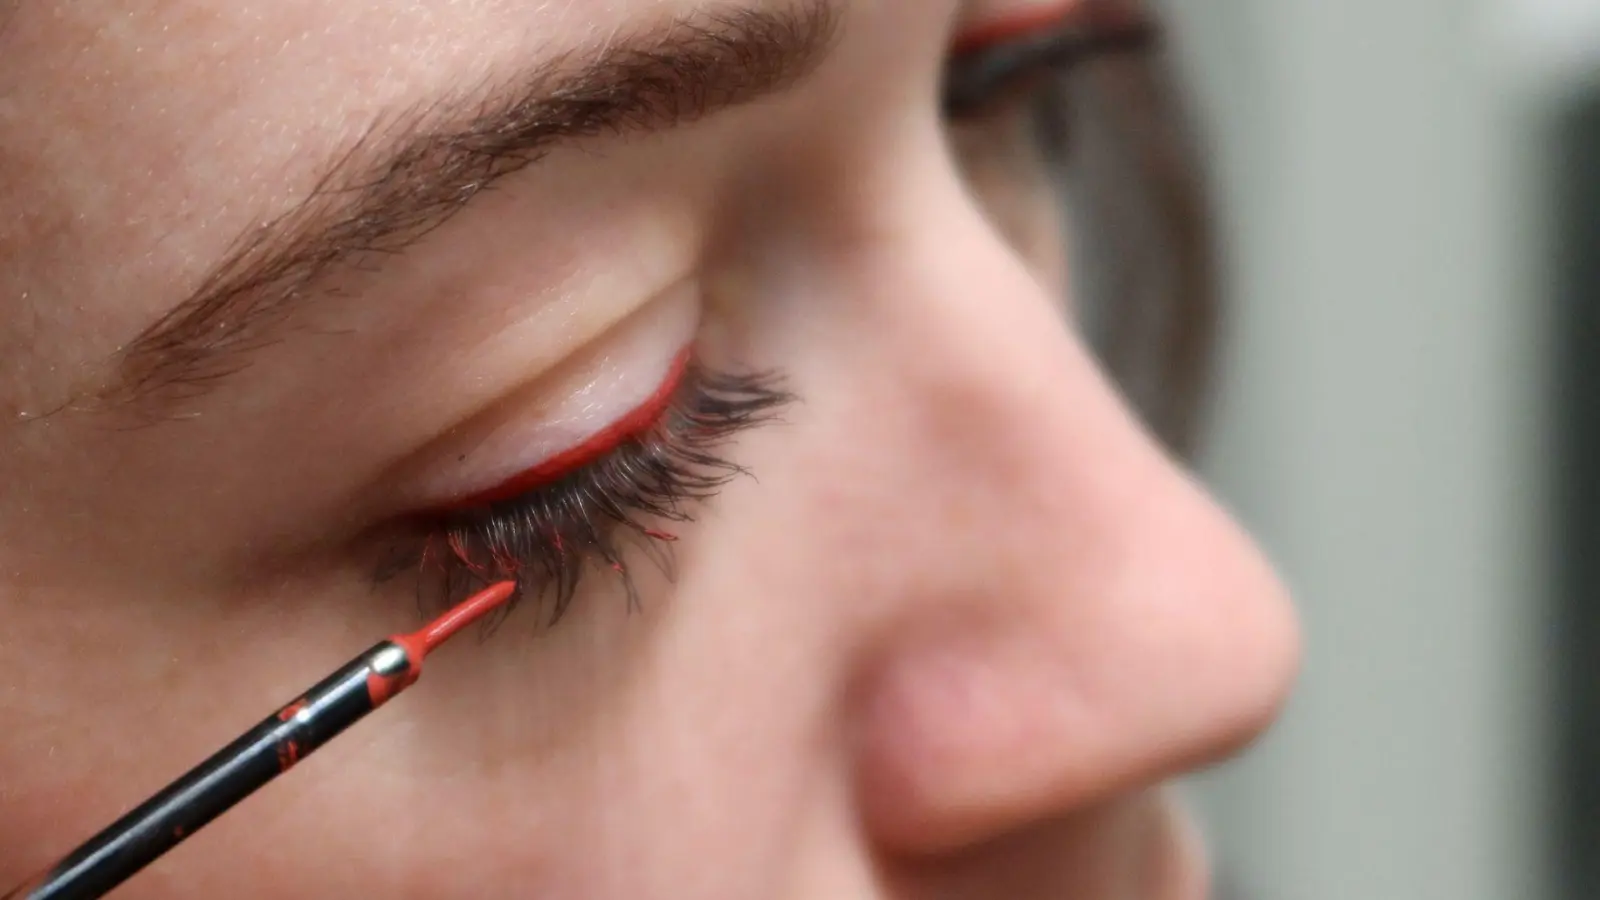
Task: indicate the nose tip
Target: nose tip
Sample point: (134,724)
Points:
(1021,710)
(1257,651)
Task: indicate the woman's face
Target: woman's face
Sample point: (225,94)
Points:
(293,289)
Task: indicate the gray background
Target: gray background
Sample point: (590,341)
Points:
(1387,426)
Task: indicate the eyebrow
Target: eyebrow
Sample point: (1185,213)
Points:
(386,192)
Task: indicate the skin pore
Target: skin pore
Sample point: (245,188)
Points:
(948,641)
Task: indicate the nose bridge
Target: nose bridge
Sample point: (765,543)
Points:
(1025,494)
(1016,433)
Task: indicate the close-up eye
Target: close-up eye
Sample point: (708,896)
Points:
(620,487)
(590,468)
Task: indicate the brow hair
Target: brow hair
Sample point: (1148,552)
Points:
(395,185)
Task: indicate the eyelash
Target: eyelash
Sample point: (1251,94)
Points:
(546,538)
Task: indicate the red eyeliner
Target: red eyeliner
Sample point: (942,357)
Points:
(637,421)
(1087,14)
(259,755)
(1011,51)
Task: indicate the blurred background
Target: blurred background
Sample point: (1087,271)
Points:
(1409,419)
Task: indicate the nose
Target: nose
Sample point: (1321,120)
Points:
(1070,616)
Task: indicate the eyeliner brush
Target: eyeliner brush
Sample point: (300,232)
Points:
(255,758)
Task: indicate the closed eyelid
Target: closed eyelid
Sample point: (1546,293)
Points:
(602,390)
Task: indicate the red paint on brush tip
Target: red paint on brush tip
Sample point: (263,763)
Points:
(418,644)
(1110,14)
(468,611)
(636,422)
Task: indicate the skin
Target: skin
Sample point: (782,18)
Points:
(950,644)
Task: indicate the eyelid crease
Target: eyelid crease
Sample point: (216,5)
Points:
(636,421)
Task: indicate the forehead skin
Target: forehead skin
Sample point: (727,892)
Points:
(131,160)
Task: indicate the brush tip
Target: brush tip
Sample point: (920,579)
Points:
(466,612)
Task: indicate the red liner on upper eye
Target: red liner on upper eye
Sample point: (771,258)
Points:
(1090,14)
(635,422)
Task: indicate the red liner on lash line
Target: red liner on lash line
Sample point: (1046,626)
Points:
(1095,14)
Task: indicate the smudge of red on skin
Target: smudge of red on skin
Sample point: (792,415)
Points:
(288,712)
(637,421)
(418,644)
(660,535)
(1024,22)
